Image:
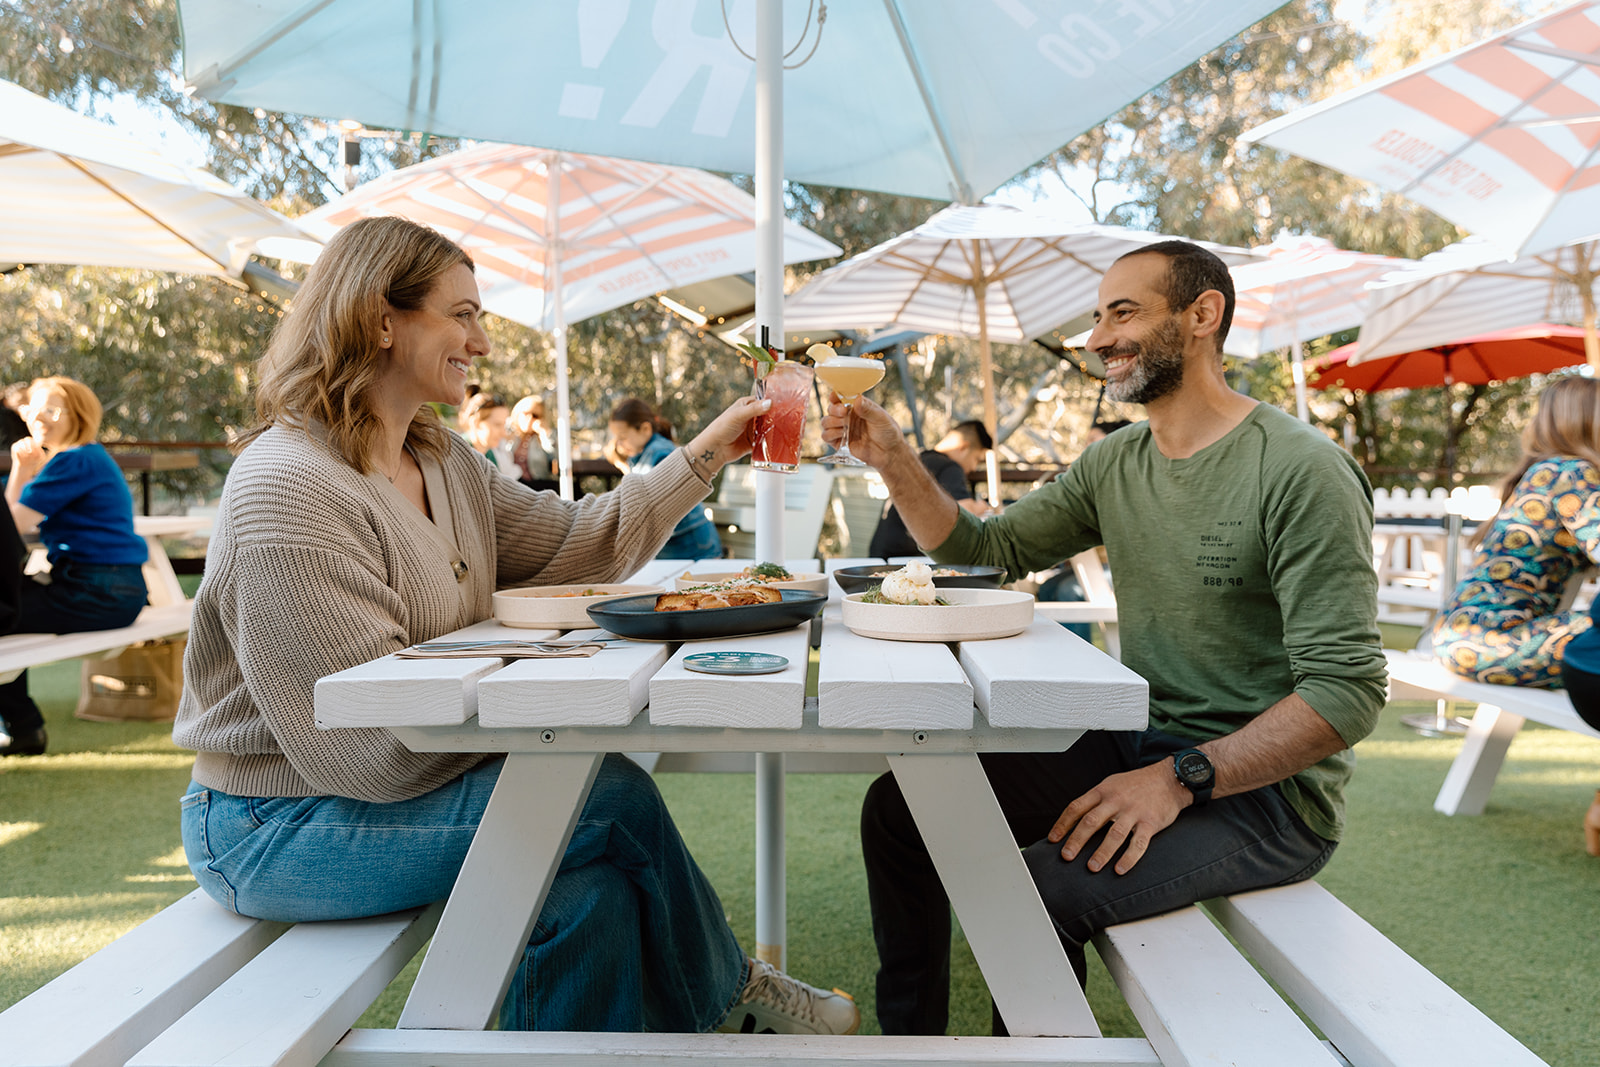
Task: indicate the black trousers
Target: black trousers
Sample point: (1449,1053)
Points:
(1584,690)
(1247,841)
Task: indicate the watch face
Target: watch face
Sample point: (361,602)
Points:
(1193,767)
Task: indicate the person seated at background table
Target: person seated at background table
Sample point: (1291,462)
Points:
(532,454)
(1503,623)
(485,416)
(958,454)
(1580,674)
(641,438)
(1242,543)
(67,488)
(472,390)
(352,525)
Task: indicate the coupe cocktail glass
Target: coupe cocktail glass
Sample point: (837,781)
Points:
(849,376)
(775,436)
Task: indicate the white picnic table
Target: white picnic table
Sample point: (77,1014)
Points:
(928,708)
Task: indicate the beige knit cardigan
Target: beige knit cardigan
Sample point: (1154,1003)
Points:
(315,568)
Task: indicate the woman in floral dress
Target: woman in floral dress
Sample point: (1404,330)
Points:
(1505,624)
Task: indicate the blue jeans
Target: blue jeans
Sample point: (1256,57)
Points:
(631,937)
(80,598)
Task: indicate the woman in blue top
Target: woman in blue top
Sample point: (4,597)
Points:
(67,489)
(641,439)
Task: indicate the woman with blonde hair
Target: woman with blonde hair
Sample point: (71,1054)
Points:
(68,489)
(352,525)
(1505,623)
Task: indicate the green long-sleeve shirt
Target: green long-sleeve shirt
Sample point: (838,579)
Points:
(1243,573)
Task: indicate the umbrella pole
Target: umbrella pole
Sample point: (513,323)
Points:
(559,330)
(991,417)
(1299,370)
(771,902)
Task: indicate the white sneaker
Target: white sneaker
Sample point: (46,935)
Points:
(774,1003)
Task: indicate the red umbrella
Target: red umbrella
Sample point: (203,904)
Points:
(1488,357)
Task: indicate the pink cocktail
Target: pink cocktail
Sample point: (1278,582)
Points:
(777,433)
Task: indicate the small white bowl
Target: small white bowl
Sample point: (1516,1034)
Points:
(556,607)
(969,615)
(811,583)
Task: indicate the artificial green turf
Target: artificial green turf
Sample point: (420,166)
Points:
(1504,907)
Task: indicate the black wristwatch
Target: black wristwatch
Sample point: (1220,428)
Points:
(1195,773)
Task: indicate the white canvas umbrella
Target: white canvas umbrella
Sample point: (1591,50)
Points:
(1500,138)
(559,236)
(1305,288)
(991,271)
(74,190)
(1471,288)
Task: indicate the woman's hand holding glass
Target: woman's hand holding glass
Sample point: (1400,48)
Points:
(727,438)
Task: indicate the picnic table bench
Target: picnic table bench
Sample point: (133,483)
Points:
(197,986)
(167,616)
(1501,712)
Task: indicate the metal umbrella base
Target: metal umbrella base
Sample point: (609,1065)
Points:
(1439,724)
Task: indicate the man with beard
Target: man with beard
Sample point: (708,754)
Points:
(1241,543)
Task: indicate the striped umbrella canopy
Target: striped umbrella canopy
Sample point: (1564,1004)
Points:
(1500,138)
(989,271)
(1489,357)
(560,236)
(1471,287)
(1304,289)
(75,190)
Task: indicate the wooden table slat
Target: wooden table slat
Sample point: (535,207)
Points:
(1048,676)
(931,691)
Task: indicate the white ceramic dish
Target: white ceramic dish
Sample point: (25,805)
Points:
(970,615)
(811,583)
(553,607)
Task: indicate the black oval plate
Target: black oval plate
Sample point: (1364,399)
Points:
(973,576)
(636,617)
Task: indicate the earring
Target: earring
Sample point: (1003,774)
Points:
(385,341)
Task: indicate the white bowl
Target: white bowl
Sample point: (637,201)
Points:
(811,583)
(559,607)
(970,615)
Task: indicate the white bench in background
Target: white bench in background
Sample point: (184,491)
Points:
(805,503)
(167,616)
(1502,709)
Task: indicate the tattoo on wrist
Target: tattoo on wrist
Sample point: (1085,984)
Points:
(701,464)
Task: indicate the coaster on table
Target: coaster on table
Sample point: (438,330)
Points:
(735,662)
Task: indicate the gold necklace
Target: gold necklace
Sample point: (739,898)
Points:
(399,467)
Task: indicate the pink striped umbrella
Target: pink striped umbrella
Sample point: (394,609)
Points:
(1304,288)
(560,236)
(1500,138)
